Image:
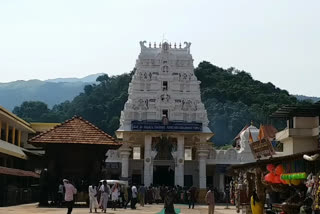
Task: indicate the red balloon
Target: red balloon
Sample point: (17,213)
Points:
(283,181)
(270,167)
(276,179)
(269,177)
(279,170)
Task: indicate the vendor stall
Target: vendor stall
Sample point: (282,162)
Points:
(288,185)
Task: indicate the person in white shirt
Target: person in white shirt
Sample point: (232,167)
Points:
(105,192)
(134,196)
(115,195)
(70,190)
(93,202)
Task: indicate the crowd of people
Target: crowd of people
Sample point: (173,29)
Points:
(103,196)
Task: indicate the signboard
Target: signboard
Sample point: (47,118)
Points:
(262,148)
(170,126)
(113,165)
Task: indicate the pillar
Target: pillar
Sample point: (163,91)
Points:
(0,130)
(7,132)
(221,182)
(125,152)
(179,166)
(202,158)
(13,135)
(19,138)
(148,165)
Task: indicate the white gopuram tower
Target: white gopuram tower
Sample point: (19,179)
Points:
(164,124)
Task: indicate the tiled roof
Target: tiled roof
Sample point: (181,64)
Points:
(74,131)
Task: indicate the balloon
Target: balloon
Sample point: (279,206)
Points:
(279,170)
(276,179)
(270,167)
(303,175)
(283,181)
(295,182)
(269,177)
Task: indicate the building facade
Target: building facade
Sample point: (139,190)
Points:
(164,125)
(17,163)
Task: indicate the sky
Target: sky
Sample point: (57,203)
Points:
(276,41)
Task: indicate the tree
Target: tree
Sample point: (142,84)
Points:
(32,111)
(232,98)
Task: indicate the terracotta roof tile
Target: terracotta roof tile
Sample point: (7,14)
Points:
(75,130)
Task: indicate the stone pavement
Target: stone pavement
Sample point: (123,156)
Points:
(148,209)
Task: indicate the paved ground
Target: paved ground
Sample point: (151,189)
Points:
(148,209)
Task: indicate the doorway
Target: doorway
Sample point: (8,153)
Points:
(163,175)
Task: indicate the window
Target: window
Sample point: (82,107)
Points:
(136,153)
(164,86)
(165,68)
(188,153)
(165,113)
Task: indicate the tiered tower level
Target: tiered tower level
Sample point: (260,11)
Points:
(164,86)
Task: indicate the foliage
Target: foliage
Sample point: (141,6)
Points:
(232,99)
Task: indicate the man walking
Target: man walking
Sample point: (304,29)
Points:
(105,192)
(192,196)
(134,197)
(210,200)
(70,190)
(142,194)
(93,203)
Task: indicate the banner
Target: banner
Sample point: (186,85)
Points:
(262,148)
(170,126)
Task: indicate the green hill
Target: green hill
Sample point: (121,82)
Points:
(232,99)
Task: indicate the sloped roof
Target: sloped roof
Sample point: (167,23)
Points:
(25,125)
(269,131)
(238,136)
(18,172)
(74,131)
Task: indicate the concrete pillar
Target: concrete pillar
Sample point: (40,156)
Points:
(125,152)
(179,166)
(148,165)
(202,158)
(19,138)
(221,182)
(13,135)
(7,132)
(202,173)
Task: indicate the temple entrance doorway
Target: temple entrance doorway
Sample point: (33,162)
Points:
(163,175)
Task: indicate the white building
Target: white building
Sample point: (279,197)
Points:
(164,124)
